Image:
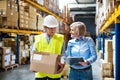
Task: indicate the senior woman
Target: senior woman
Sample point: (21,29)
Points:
(80,47)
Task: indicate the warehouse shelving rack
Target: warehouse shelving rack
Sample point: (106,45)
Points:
(46,10)
(31,31)
(114,19)
(21,31)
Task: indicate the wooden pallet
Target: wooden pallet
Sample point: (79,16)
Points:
(10,67)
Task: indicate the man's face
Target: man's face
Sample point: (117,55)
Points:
(50,31)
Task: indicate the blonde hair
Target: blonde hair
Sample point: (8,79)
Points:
(79,27)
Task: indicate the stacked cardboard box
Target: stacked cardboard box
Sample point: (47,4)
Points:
(10,42)
(13,59)
(52,5)
(27,15)
(7,51)
(24,49)
(41,2)
(104,11)
(8,58)
(8,13)
(61,27)
(46,3)
(108,51)
(24,14)
(107,70)
(40,22)
(33,17)
(24,52)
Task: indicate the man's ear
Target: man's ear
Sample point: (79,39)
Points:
(45,28)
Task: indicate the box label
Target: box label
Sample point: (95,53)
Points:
(37,57)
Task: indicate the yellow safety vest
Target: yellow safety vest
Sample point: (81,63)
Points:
(54,46)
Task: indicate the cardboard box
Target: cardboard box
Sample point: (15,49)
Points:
(66,70)
(12,62)
(107,66)
(5,50)
(108,57)
(1,43)
(47,63)
(5,60)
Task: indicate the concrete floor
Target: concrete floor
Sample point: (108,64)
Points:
(20,73)
(23,73)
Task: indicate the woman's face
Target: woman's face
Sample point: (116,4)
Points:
(73,32)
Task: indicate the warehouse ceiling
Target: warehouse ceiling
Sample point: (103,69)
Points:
(82,7)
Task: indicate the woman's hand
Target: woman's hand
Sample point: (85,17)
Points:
(84,63)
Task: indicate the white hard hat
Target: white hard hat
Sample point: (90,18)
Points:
(50,21)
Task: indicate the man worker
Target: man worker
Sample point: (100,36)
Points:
(51,42)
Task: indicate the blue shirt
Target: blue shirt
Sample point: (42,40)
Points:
(85,47)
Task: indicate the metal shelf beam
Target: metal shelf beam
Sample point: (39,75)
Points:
(19,31)
(111,19)
(46,10)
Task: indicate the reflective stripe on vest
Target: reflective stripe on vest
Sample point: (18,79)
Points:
(54,46)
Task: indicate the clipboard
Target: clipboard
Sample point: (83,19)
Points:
(74,60)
